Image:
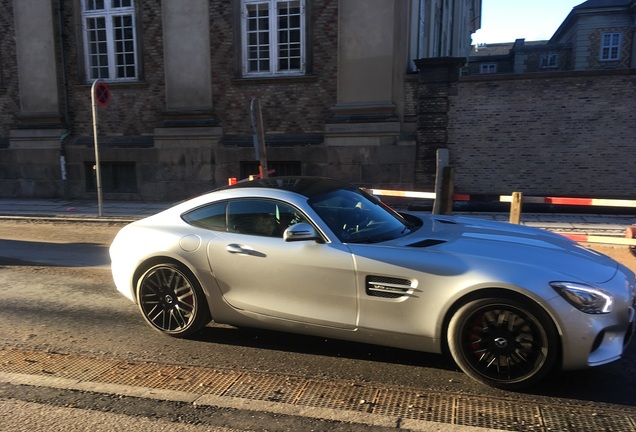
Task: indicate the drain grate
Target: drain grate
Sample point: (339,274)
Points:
(498,414)
(200,380)
(55,364)
(415,405)
(352,397)
(493,413)
(557,418)
(271,388)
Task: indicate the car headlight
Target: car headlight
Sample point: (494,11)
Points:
(585,298)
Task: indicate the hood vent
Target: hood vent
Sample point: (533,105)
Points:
(444,221)
(387,287)
(427,243)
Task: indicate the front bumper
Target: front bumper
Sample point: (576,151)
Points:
(594,339)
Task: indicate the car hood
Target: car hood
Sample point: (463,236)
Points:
(512,243)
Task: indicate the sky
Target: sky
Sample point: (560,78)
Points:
(507,20)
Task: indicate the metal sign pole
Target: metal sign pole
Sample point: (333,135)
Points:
(98,174)
(259,133)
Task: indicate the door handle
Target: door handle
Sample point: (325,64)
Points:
(234,248)
(238,249)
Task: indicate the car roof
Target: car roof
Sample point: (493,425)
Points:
(307,186)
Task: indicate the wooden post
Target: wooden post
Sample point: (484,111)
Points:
(448,186)
(442,163)
(515,207)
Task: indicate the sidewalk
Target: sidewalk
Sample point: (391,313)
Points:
(572,223)
(58,208)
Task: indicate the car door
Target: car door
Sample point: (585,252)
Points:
(257,271)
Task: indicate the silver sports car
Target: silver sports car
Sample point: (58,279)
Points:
(321,257)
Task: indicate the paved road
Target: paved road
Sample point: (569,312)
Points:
(42,291)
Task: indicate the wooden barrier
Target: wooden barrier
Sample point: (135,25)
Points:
(572,201)
(517,199)
(515,209)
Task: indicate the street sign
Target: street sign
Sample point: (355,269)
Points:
(102,94)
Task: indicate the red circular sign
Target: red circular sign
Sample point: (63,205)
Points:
(102,94)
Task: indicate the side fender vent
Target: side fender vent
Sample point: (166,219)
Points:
(388,287)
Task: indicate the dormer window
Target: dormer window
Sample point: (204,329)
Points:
(549,61)
(611,46)
(488,68)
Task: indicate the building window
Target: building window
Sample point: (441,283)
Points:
(273,37)
(117,177)
(110,45)
(610,46)
(488,68)
(549,61)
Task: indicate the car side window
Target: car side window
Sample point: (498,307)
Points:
(261,217)
(210,217)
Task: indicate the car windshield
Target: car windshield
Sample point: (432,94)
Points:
(357,217)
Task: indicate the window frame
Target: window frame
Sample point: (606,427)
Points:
(110,14)
(489,68)
(273,43)
(549,61)
(608,47)
(207,216)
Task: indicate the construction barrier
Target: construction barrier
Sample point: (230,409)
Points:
(518,198)
(630,234)
(581,238)
(573,201)
(415,194)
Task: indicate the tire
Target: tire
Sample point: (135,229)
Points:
(503,343)
(171,300)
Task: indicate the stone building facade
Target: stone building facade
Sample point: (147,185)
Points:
(596,35)
(335,80)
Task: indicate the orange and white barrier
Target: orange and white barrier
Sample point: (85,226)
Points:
(630,236)
(582,238)
(402,194)
(414,194)
(573,201)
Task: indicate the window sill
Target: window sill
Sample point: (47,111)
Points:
(280,79)
(120,84)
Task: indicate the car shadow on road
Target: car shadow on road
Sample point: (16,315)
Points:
(320,346)
(35,253)
(612,383)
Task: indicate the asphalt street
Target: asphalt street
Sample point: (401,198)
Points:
(38,414)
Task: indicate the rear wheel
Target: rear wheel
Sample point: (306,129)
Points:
(171,300)
(503,342)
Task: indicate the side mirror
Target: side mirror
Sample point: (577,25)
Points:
(301,232)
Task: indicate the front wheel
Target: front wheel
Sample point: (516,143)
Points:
(171,300)
(502,342)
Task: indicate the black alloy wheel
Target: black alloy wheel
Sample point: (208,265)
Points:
(171,300)
(502,342)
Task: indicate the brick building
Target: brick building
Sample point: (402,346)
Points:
(335,79)
(553,117)
(596,35)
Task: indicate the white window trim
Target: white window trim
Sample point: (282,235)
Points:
(273,43)
(550,60)
(610,46)
(489,68)
(108,13)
